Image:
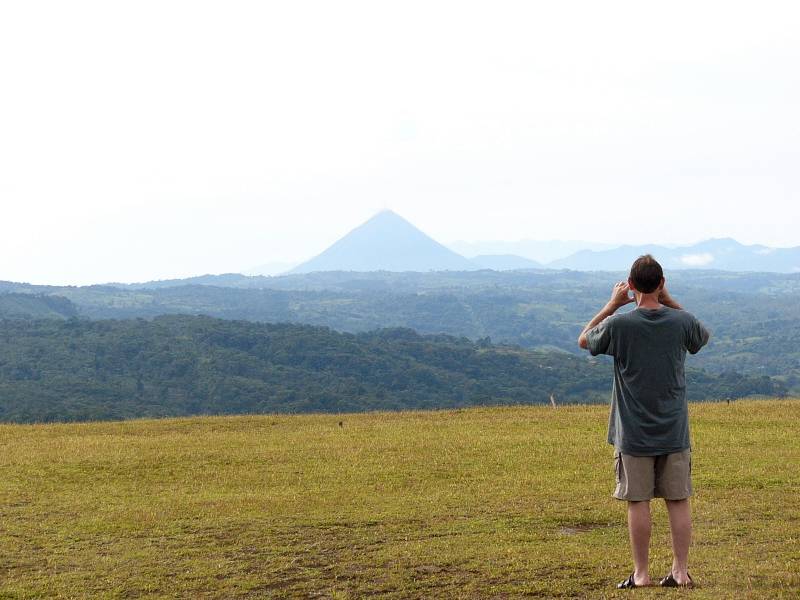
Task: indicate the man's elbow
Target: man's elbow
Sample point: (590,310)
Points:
(582,342)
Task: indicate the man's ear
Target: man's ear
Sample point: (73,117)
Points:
(662,284)
(631,286)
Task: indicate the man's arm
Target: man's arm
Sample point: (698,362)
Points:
(667,300)
(619,298)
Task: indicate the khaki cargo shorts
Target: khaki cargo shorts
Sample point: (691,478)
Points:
(667,476)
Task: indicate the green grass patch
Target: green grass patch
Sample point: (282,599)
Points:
(471,503)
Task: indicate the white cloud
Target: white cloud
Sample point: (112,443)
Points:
(697,260)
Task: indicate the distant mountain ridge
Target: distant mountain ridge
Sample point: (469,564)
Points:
(388,242)
(540,251)
(724,254)
(504,262)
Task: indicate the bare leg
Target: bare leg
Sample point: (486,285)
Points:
(639,529)
(680,526)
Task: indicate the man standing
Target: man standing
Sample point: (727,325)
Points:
(649,421)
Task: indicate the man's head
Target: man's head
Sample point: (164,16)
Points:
(646,275)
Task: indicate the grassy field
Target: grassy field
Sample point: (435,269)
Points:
(476,503)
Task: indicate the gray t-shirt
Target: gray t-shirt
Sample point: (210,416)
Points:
(649,414)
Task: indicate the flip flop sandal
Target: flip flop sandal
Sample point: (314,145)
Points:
(628,584)
(669,581)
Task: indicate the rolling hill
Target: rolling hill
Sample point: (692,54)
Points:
(755,317)
(36,306)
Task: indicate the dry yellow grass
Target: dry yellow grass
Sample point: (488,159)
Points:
(477,503)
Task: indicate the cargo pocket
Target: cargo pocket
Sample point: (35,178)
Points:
(619,492)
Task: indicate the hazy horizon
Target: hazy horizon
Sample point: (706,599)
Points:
(537,250)
(165,140)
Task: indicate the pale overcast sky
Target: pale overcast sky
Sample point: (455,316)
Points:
(145,140)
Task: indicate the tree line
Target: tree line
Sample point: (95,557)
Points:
(77,369)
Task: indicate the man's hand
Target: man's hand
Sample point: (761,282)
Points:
(620,295)
(619,298)
(667,300)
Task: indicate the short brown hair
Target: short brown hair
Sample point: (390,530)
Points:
(646,274)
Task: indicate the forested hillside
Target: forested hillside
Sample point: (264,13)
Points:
(180,365)
(36,306)
(754,317)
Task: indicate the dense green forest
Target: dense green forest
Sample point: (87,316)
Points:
(75,369)
(754,317)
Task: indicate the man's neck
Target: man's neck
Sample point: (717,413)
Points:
(647,301)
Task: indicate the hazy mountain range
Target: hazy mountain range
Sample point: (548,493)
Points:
(719,254)
(387,242)
(540,251)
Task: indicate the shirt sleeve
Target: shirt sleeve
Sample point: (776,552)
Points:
(599,339)
(696,337)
